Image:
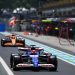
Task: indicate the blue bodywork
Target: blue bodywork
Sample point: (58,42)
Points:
(34,60)
(34,57)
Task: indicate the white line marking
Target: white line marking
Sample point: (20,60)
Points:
(9,72)
(66,61)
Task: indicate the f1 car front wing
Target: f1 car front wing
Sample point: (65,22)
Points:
(31,65)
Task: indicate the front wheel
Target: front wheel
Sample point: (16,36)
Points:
(14,63)
(53,60)
(16,60)
(2,44)
(12,59)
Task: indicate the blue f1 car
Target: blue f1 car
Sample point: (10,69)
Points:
(33,57)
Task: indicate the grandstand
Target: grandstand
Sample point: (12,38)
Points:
(57,8)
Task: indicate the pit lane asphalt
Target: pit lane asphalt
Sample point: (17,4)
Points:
(63,67)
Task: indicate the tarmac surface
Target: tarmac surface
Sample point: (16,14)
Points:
(52,41)
(2,70)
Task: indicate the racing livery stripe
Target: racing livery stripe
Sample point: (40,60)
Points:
(60,54)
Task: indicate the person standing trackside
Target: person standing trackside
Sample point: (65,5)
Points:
(37,30)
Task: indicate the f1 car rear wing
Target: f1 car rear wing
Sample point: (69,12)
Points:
(23,49)
(28,49)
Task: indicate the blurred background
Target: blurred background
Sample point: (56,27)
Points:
(48,17)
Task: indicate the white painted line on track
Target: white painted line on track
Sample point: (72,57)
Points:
(5,33)
(9,72)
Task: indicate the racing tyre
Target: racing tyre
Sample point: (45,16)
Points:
(11,59)
(15,62)
(2,44)
(53,60)
(24,43)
